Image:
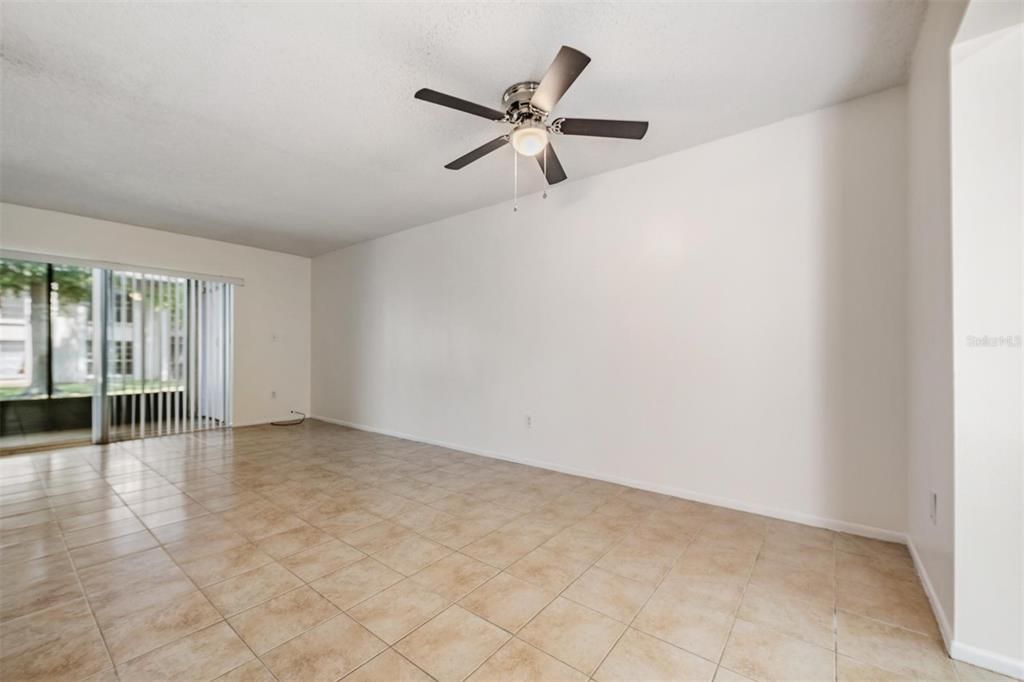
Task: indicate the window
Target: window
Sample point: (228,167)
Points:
(178,359)
(123,361)
(45,324)
(24,314)
(124,305)
(12,306)
(169,370)
(166,348)
(71,330)
(12,358)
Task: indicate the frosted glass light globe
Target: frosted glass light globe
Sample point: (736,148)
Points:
(529,140)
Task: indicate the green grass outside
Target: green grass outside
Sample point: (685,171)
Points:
(85,390)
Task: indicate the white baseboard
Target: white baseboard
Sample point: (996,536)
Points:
(1004,665)
(962,652)
(940,613)
(982,658)
(739,505)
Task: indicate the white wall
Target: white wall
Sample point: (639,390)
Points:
(930,309)
(275,301)
(988,311)
(727,322)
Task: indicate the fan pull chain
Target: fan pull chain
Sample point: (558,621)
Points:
(545,194)
(515,181)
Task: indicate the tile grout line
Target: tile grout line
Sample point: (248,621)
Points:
(561,594)
(366,555)
(160,544)
(74,567)
(739,605)
(378,655)
(223,618)
(78,578)
(346,611)
(835,614)
(341,611)
(632,620)
(513,635)
(88,603)
(377,485)
(163,548)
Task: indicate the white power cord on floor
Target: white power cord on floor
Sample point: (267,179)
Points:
(293,422)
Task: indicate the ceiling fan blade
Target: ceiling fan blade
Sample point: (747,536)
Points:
(554,173)
(599,127)
(568,65)
(435,97)
(481,151)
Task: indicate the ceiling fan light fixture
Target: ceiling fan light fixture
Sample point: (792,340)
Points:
(530,139)
(528,104)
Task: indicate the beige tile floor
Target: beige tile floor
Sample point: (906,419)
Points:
(321,553)
(31,442)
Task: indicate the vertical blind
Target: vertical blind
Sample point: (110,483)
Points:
(168,354)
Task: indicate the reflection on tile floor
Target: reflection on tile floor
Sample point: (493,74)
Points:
(14,443)
(321,553)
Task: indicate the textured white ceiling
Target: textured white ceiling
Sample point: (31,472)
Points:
(293,126)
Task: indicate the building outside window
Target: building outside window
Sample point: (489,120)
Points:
(45,323)
(123,361)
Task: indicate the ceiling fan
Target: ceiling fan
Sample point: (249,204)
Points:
(528,105)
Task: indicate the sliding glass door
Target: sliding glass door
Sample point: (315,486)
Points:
(101,353)
(168,367)
(46,353)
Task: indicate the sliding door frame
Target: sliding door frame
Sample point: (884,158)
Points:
(101,298)
(201,335)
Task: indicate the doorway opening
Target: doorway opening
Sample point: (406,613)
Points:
(103,354)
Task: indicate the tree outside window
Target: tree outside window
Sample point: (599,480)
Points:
(45,329)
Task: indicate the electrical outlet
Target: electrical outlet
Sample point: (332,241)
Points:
(529,421)
(933,511)
(273,395)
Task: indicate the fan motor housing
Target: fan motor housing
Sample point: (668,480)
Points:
(516,101)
